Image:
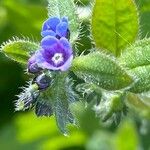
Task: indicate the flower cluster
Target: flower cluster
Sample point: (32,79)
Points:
(55,53)
(56,27)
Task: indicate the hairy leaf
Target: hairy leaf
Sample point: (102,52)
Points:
(137,59)
(136,104)
(19,50)
(142,83)
(61,95)
(61,8)
(144,11)
(102,70)
(114,24)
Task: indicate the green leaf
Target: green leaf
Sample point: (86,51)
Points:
(144,11)
(19,50)
(142,83)
(61,95)
(126,137)
(85,117)
(114,24)
(137,59)
(136,104)
(102,70)
(82,2)
(61,8)
(137,55)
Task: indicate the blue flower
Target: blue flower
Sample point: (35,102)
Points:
(57,27)
(55,54)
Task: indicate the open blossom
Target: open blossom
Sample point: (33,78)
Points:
(55,54)
(57,27)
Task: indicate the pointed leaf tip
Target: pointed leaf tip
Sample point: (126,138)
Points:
(19,50)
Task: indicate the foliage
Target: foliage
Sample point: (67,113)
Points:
(116,23)
(106,87)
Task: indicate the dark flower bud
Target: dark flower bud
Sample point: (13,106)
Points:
(32,65)
(42,81)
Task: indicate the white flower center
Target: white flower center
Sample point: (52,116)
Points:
(57,58)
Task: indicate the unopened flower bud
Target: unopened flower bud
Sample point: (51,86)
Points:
(32,65)
(42,81)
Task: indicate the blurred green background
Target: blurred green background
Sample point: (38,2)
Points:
(24,131)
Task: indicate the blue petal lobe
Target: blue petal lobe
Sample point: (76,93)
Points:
(48,41)
(61,29)
(67,64)
(45,26)
(65,44)
(53,22)
(48,32)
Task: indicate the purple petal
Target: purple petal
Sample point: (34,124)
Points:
(33,68)
(32,65)
(42,63)
(66,45)
(48,33)
(48,41)
(45,26)
(62,29)
(53,22)
(32,59)
(39,57)
(46,65)
(67,64)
